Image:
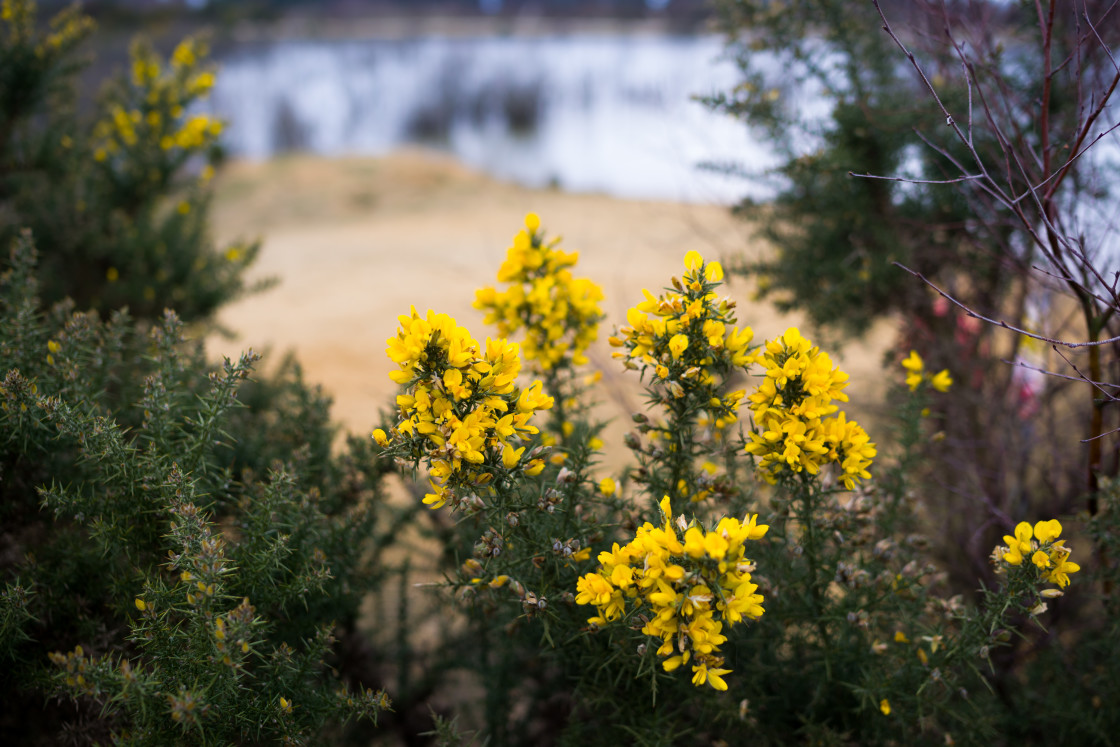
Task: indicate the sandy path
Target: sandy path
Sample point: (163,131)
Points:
(354,242)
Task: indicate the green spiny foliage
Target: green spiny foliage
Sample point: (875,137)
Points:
(186,590)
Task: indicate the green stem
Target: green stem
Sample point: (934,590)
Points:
(806,504)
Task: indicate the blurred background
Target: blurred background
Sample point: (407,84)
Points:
(581,95)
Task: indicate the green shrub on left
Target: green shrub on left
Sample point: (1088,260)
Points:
(181,545)
(174,588)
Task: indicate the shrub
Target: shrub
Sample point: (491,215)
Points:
(117,197)
(747,575)
(179,564)
(183,591)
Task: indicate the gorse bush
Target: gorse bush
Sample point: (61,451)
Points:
(180,591)
(117,196)
(748,573)
(184,555)
(761,571)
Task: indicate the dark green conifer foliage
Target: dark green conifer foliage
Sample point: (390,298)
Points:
(832,238)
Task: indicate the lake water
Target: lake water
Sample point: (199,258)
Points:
(590,113)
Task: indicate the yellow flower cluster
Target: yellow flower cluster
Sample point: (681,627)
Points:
(793,411)
(560,313)
(1041,545)
(76,665)
(688,338)
(689,586)
(152,108)
(233,633)
(462,412)
(916,374)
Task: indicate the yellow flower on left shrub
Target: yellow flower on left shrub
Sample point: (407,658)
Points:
(461,412)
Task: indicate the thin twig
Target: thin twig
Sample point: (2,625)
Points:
(1055,374)
(916,181)
(1067,164)
(1085,378)
(1100,435)
(999,323)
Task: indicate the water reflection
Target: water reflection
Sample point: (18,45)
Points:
(598,113)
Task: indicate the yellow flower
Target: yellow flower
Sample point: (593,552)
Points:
(914,366)
(1047,531)
(677,345)
(673,662)
(141,604)
(380,438)
(607,486)
(511,456)
(1062,569)
(703,674)
(1018,545)
(462,413)
(942,381)
(885,707)
(790,406)
(184,56)
(916,374)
